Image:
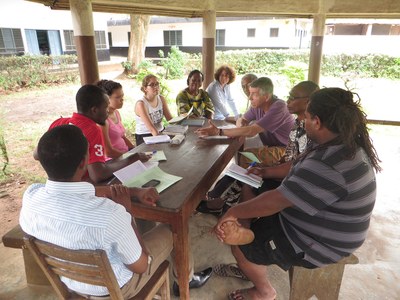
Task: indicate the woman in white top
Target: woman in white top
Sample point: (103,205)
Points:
(150,110)
(220,93)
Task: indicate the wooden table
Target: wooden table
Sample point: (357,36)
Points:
(199,162)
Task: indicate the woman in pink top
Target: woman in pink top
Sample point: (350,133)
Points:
(115,141)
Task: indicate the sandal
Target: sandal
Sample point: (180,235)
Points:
(229,270)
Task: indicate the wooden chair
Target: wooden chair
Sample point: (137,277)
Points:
(89,266)
(323,282)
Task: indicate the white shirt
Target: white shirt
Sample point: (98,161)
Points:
(69,214)
(156,115)
(221,97)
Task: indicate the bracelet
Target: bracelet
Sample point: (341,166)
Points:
(220,132)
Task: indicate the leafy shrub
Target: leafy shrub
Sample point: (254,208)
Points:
(174,63)
(36,70)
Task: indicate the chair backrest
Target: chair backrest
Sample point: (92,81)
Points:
(88,266)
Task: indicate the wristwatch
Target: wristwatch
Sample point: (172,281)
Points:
(220,132)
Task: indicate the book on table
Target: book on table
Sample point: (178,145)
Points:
(175,129)
(241,174)
(156,139)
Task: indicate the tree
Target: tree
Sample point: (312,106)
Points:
(137,45)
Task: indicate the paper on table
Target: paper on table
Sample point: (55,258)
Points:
(165,179)
(214,137)
(156,139)
(177,119)
(250,156)
(157,155)
(128,172)
(241,174)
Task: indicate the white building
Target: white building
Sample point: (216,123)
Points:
(27,27)
(231,33)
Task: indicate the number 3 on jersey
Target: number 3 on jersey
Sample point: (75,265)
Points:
(98,150)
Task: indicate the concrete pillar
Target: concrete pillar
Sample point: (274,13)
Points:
(317,39)
(208,51)
(82,21)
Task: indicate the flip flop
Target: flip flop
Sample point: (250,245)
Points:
(229,270)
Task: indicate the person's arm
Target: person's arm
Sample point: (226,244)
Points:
(217,99)
(275,172)
(121,195)
(240,122)
(182,103)
(209,107)
(147,196)
(128,143)
(141,111)
(100,171)
(231,101)
(247,131)
(167,113)
(110,150)
(265,204)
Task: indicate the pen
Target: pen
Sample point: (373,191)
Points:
(251,165)
(154,151)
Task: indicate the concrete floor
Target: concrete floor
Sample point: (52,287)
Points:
(377,276)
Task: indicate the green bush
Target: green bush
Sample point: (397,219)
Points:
(36,70)
(174,63)
(268,61)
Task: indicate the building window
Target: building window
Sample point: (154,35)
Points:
(69,40)
(251,32)
(172,37)
(100,38)
(109,39)
(220,37)
(273,32)
(11,41)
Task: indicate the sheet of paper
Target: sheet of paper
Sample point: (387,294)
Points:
(165,179)
(127,154)
(128,172)
(214,137)
(177,119)
(240,174)
(250,156)
(157,155)
(227,126)
(157,139)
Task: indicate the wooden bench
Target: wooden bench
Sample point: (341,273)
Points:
(323,282)
(34,274)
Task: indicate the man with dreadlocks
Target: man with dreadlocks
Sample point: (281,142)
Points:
(321,211)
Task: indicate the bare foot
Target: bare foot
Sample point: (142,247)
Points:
(235,234)
(251,294)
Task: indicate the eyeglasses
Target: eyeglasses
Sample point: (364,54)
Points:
(154,84)
(290,97)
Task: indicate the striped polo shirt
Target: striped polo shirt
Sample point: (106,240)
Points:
(69,214)
(332,201)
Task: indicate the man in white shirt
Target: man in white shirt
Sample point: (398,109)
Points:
(74,214)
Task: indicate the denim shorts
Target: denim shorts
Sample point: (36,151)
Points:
(271,245)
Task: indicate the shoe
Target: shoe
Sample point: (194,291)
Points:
(198,280)
(205,210)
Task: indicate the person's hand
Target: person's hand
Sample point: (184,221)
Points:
(240,122)
(121,195)
(207,131)
(147,196)
(256,171)
(219,228)
(143,157)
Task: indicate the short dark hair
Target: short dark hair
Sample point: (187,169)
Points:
(89,96)
(229,70)
(192,73)
(308,86)
(109,86)
(264,84)
(61,150)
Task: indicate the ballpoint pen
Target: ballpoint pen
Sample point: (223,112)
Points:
(251,165)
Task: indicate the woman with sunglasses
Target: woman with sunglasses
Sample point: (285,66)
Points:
(150,110)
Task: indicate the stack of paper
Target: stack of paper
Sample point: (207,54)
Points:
(157,139)
(241,174)
(193,122)
(175,129)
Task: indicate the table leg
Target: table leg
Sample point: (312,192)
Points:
(181,247)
